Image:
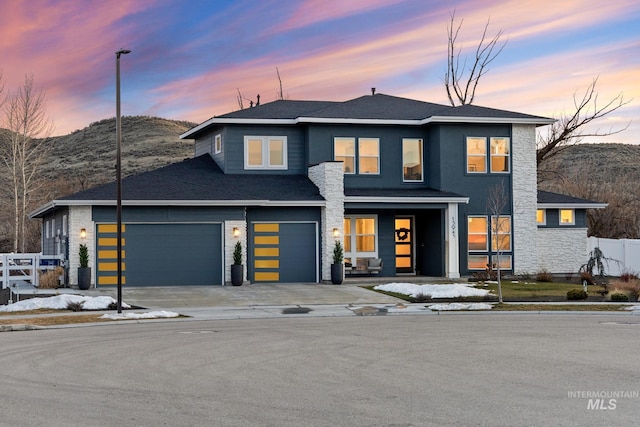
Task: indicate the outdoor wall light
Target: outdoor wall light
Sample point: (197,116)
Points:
(236,232)
(336,232)
(83,233)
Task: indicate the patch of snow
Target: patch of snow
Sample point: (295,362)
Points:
(633,307)
(148,315)
(455,306)
(60,302)
(453,290)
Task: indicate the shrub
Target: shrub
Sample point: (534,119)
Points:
(577,294)
(631,288)
(544,276)
(421,298)
(50,278)
(483,276)
(237,254)
(75,306)
(586,276)
(619,297)
(628,276)
(338,254)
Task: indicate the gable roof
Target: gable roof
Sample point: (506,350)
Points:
(549,200)
(369,109)
(198,182)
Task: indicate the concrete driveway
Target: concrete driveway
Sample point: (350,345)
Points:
(165,297)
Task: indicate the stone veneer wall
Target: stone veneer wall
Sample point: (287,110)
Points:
(329,178)
(230,245)
(562,250)
(80,217)
(525,198)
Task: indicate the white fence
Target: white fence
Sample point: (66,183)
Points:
(21,268)
(623,254)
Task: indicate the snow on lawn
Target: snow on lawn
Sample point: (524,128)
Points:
(60,302)
(148,315)
(634,308)
(455,306)
(453,290)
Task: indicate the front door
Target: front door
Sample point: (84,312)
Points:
(404,245)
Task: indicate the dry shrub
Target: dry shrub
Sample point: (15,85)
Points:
(544,276)
(630,288)
(50,278)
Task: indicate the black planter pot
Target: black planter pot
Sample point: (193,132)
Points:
(237,273)
(84,278)
(337,273)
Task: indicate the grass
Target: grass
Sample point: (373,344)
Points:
(536,290)
(558,307)
(54,320)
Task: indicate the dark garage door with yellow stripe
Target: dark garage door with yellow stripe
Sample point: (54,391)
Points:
(161,254)
(284,252)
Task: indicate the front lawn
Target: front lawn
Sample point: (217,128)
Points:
(538,291)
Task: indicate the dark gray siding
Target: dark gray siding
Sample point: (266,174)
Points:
(321,149)
(168,214)
(233,141)
(205,144)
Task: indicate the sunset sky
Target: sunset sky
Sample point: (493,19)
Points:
(190,57)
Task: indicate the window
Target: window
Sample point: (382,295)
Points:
(500,149)
(369,155)
(360,237)
(265,152)
(567,217)
(505,262)
(217,145)
(478,234)
(64,225)
(345,151)
(476,155)
(541,217)
(412,160)
(478,262)
(46,229)
(501,233)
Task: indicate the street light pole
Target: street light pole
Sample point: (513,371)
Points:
(119,179)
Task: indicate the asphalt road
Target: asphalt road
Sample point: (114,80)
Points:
(458,369)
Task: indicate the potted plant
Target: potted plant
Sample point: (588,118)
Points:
(337,268)
(237,269)
(84,271)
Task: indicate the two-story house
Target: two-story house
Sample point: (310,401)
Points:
(397,179)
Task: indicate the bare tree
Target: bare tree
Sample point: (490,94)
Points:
(500,226)
(461,83)
(280,94)
(23,150)
(570,128)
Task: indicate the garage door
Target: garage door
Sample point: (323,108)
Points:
(284,252)
(163,254)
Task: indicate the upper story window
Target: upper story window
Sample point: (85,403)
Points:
(476,155)
(412,160)
(345,151)
(265,152)
(367,155)
(567,217)
(217,144)
(541,217)
(500,150)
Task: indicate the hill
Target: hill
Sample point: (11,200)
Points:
(87,156)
